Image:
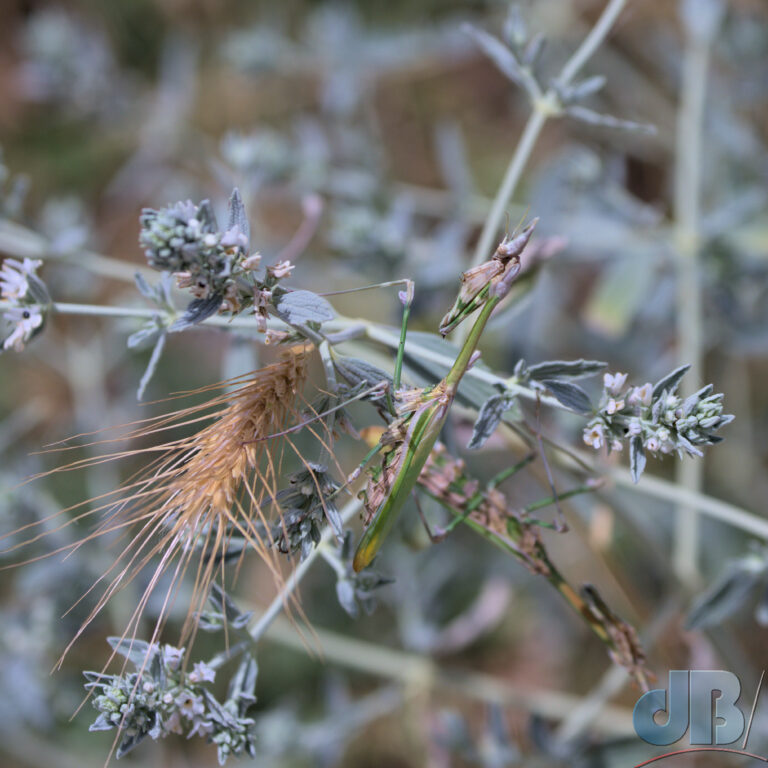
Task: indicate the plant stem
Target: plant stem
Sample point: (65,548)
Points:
(416,670)
(591,42)
(293,581)
(689,308)
(543,108)
(509,184)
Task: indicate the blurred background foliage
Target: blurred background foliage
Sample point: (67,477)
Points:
(383,124)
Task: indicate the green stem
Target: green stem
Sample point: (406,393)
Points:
(459,367)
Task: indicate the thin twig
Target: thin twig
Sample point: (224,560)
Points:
(416,670)
(293,581)
(689,308)
(543,108)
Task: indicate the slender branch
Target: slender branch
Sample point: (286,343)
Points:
(689,308)
(546,106)
(416,670)
(591,42)
(509,183)
(293,581)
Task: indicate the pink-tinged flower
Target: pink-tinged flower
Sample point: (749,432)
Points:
(635,428)
(613,406)
(26,320)
(641,395)
(281,269)
(13,277)
(252,262)
(614,382)
(172,656)
(173,724)
(202,673)
(652,444)
(595,436)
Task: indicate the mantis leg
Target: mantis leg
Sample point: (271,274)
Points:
(406,297)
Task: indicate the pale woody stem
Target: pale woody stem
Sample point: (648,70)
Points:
(542,110)
(690,316)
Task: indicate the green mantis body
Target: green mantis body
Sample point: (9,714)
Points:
(424,420)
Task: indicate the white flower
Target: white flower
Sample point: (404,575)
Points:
(652,444)
(252,262)
(202,673)
(635,427)
(190,705)
(234,238)
(200,727)
(594,436)
(614,382)
(13,277)
(613,406)
(617,445)
(172,656)
(281,269)
(27,319)
(173,724)
(641,395)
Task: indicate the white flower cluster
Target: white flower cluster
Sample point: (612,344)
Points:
(185,240)
(654,418)
(20,286)
(160,698)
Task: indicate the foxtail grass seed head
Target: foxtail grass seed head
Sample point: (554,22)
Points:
(200,492)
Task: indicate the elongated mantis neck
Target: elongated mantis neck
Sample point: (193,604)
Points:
(462,362)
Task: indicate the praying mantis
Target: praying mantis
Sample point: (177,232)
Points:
(421,414)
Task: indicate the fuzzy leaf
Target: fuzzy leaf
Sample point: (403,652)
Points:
(355,372)
(584,88)
(237,216)
(488,419)
(101,724)
(345,593)
(242,688)
(134,650)
(636,458)
(591,117)
(299,307)
(129,742)
(565,369)
(570,395)
(498,53)
(208,218)
(145,289)
(197,311)
(154,359)
(144,336)
(670,382)
(334,520)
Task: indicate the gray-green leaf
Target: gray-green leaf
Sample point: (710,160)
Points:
(565,369)
(636,458)
(570,395)
(488,419)
(299,307)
